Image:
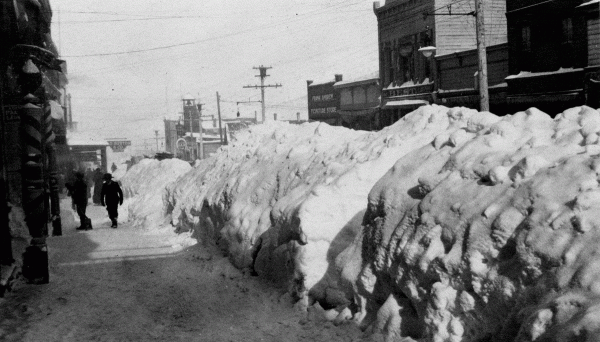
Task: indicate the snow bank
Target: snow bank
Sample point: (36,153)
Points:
(287,199)
(450,225)
(144,189)
(491,237)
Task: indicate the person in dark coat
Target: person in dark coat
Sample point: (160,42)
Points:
(112,197)
(79,191)
(98,181)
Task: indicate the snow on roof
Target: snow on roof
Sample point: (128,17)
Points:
(322,80)
(358,80)
(188,97)
(407,84)
(589,3)
(524,74)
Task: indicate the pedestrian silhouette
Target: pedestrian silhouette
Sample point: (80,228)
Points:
(112,197)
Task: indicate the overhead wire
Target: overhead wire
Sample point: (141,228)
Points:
(201,40)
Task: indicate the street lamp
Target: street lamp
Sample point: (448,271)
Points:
(427,51)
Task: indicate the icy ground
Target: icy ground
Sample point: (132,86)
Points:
(137,285)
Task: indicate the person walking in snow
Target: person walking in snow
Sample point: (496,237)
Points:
(79,191)
(112,197)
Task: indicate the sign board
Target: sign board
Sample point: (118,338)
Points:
(11,113)
(119,145)
(181,144)
(86,156)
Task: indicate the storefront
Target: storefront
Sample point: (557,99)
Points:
(360,103)
(324,102)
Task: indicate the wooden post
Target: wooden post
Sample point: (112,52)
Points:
(219,112)
(484,100)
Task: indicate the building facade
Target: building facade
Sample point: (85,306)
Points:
(324,101)
(457,78)
(554,49)
(408,78)
(360,101)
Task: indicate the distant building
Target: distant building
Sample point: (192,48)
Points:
(324,101)
(173,131)
(360,102)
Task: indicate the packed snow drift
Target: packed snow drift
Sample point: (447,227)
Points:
(144,189)
(450,225)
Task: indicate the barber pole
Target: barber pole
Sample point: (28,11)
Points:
(52,171)
(35,258)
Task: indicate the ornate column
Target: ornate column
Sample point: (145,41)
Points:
(35,258)
(52,171)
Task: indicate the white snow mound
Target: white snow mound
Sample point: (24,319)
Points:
(450,225)
(144,189)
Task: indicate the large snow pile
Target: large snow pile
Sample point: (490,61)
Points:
(450,225)
(286,199)
(144,189)
(489,232)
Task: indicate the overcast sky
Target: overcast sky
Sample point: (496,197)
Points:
(130,62)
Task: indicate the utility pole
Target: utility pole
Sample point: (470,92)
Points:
(482,79)
(219,112)
(156,134)
(262,86)
(201,153)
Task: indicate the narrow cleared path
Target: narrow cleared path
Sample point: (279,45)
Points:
(130,285)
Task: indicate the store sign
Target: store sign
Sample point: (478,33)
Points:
(119,145)
(323,110)
(321,98)
(11,113)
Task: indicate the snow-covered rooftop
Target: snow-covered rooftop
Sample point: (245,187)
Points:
(524,74)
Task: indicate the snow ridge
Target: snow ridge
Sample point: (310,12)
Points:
(450,225)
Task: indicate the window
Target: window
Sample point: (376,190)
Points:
(525,55)
(391,63)
(526,38)
(567,42)
(567,31)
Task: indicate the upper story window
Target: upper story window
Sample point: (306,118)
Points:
(391,65)
(526,38)
(567,31)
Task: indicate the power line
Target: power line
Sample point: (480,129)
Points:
(296,18)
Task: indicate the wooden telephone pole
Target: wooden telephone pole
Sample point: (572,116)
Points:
(482,79)
(262,86)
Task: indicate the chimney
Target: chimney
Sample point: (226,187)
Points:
(275,116)
(298,116)
(338,77)
(309,82)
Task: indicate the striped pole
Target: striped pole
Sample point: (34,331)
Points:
(52,171)
(35,258)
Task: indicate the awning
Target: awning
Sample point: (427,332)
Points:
(404,103)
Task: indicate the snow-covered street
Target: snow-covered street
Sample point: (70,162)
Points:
(127,284)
